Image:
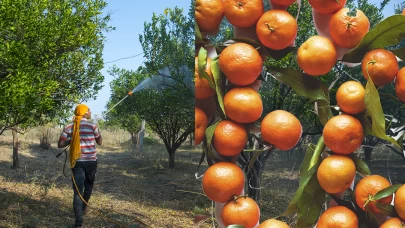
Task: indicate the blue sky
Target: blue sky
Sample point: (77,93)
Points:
(128,17)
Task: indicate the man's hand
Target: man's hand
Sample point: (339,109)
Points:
(63,143)
(99,140)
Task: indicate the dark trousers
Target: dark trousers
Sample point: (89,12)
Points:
(84,174)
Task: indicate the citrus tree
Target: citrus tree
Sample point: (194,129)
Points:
(229,108)
(50,58)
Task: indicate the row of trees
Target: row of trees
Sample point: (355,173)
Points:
(50,58)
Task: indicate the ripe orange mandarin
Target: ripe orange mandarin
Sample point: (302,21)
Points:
(282,129)
(317,56)
(276,29)
(222,181)
(229,138)
(241,63)
(203,89)
(243,13)
(201,122)
(242,211)
(243,104)
(350,97)
(209,14)
(343,134)
(369,186)
(327,6)
(400,85)
(336,173)
(381,65)
(347,31)
(338,216)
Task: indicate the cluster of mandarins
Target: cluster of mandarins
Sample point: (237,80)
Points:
(241,63)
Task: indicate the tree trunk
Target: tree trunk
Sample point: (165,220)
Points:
(367,153)
(134,138)
(171,159)
(15,149)
(141,136)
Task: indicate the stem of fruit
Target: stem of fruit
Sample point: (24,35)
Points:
(235,198)
(349,24)
(270,28)
(320,146)
(370,198)
(372,62)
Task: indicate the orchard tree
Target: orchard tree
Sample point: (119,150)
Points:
(51,58)
(123,115)
(165,99)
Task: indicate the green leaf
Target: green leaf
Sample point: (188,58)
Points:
(279,54)
(235,226)
(361,166)
(199,211)
(389,96)
(209,133)
(374,108)
(198,36)
(202,63)
(387,209)
(363,117)
(324,111)
(303,84)
(253,158)
(400,53)
(388,32)
(371,219)
(342,202)
(219,79)
(386,192)
(310,203)
(305,177)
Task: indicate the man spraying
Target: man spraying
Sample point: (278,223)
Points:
(81,135)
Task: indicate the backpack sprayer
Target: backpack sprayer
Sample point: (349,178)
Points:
(73,179)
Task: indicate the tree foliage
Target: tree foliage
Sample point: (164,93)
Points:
(50,57)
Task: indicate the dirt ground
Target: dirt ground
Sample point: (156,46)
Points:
(131,185)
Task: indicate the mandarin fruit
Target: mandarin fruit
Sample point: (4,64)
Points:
(350,97)
(273,223)
(200,124)
(327,6)
(343,134)
(400,85)
(338,216)
(282,129)
(243,211)
(317,56)
(209,14)
(203,89)
(241,63)
(336,173)
(229,138)
(243,104)
(243,13)
(347,31)
(381,65)
(399,201)
(369,186)
(276,29)
(222,181)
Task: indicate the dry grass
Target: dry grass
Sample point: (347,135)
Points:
(132,184)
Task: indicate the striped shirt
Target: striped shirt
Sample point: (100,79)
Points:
(88,133)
